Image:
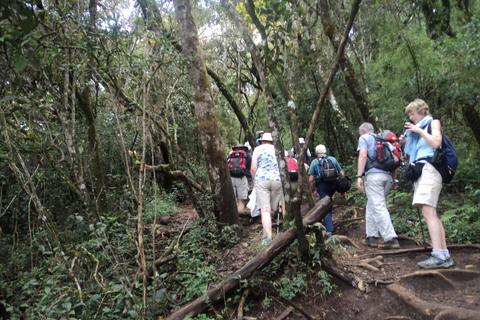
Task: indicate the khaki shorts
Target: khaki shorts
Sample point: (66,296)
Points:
(427,187)
(269,194)
(240,187)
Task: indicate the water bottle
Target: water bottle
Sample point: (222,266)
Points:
(379,150)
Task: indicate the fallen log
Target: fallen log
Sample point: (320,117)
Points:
(261,260)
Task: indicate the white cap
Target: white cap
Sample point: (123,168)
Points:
(301,140)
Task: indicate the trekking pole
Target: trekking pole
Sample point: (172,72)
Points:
(421,228)
(278,216)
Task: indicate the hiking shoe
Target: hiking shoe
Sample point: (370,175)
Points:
(371,242)
(329,234)
(435,262)
(390,244)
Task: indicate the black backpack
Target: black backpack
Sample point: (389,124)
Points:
(237,163)
(326,171)
(343,184)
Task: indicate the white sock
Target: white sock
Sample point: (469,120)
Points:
(439,253)
(446,252)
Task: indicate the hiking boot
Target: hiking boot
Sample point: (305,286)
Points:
(371,242)
(390,244)
(435,262)
(329,234)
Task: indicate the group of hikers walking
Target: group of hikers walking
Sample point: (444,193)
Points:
(378,161)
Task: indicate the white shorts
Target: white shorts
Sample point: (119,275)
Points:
(269,194)
(427,187)
(240,187)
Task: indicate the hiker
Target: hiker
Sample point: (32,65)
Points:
(308,156)
(420,144)
(239,163)
(268,186)
(378,183)
(292,170)
(259,135)
(323,187)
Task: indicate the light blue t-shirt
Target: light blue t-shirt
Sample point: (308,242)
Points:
(368,141)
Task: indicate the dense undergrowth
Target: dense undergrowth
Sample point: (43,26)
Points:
(92,270)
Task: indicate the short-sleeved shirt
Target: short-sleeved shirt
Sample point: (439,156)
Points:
(368,141)
(267,167)
(313,171)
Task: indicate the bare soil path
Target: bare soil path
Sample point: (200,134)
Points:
(388,284)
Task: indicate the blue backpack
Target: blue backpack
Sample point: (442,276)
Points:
(445,158)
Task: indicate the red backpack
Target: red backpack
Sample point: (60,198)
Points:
(292,169)
(237,163)
(389,154)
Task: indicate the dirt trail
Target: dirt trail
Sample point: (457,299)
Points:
(389,284)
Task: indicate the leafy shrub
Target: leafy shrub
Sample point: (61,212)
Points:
(290,287)
(164,205)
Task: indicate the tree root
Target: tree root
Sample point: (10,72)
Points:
(432,310)
(303,312)
(402,251)
(345,240)
(284,314)
(333,270)
(367,263)
(242,303)
(431,277)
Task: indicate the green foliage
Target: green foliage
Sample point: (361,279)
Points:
(266,302)
(324,280)
(229,236)
(164,205)
(289,288)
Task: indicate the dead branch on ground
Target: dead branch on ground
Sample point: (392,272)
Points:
(261,260)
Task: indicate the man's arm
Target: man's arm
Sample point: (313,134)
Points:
(310,180)
(362,161)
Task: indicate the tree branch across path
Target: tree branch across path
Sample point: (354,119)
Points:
(260,261)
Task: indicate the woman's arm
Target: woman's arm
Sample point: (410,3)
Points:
(434,139)
(253,168)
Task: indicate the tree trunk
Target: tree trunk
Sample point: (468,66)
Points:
(98,173)
(349,73)
(437,16)
(473,119)
(235,107)
(224,199)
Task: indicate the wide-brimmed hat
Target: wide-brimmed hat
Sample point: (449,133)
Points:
(267,136)
(240,146)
